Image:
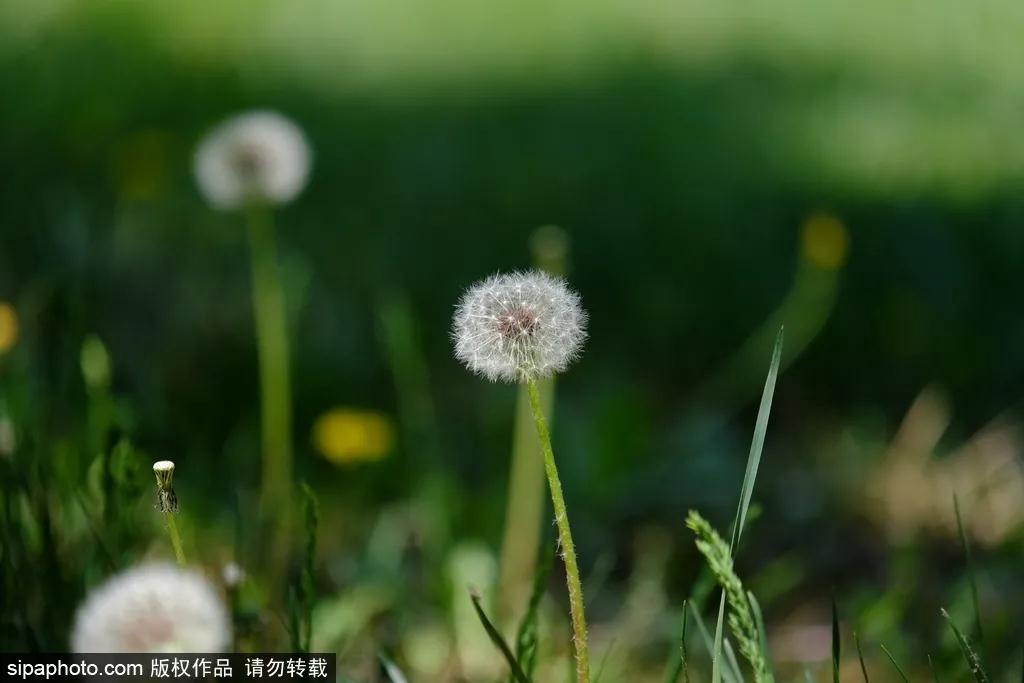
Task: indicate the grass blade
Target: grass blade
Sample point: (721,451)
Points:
(730,675)
(757,444)
(836,644)
(755,607)
(860,656)
(897,666)
(604,661)
(677,665)
(716,653)
(935,673)
(498,640)
(526,637)
(730,656)
(973,661)
(391,669)
(970,570)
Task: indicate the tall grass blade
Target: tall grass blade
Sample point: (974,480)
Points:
(973,660)
(677,664)
(526,638)
(860,656)
(931,665)
(971,578)
(499,641)
(730,675)
(836,644)
(897,666)
(716,653)
(757,444)
(730,656)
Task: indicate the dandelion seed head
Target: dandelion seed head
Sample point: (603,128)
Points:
(259,156)
(152,608)
(516,326)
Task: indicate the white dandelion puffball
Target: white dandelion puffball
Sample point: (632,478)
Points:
(518,326)
(153,608)
(259,156)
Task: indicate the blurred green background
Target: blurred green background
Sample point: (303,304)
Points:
(853,171)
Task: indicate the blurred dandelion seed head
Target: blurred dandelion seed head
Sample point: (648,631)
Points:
(152,608)
(348,435)
(511,327)
(8,327)
(259,156)
(825,241)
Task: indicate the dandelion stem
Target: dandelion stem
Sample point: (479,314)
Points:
(275,386)
(572,572)
(172,531)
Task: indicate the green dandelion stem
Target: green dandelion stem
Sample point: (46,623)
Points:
(172,531)
(275,385)
(572,572)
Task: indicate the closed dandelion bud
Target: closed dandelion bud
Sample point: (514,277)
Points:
(153,608)
(167,500)
(519,326)
(259,156)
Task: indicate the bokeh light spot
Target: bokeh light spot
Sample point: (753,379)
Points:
(825,241)
(349,435)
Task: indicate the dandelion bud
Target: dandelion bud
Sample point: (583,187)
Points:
(260,156)
(167,500)
(519,326)
(153,608)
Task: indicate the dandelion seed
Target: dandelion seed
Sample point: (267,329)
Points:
(259,156)
(519,326)
(152,608)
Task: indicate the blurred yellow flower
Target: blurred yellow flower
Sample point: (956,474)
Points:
(8,327)
(350,435)
(825,241)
